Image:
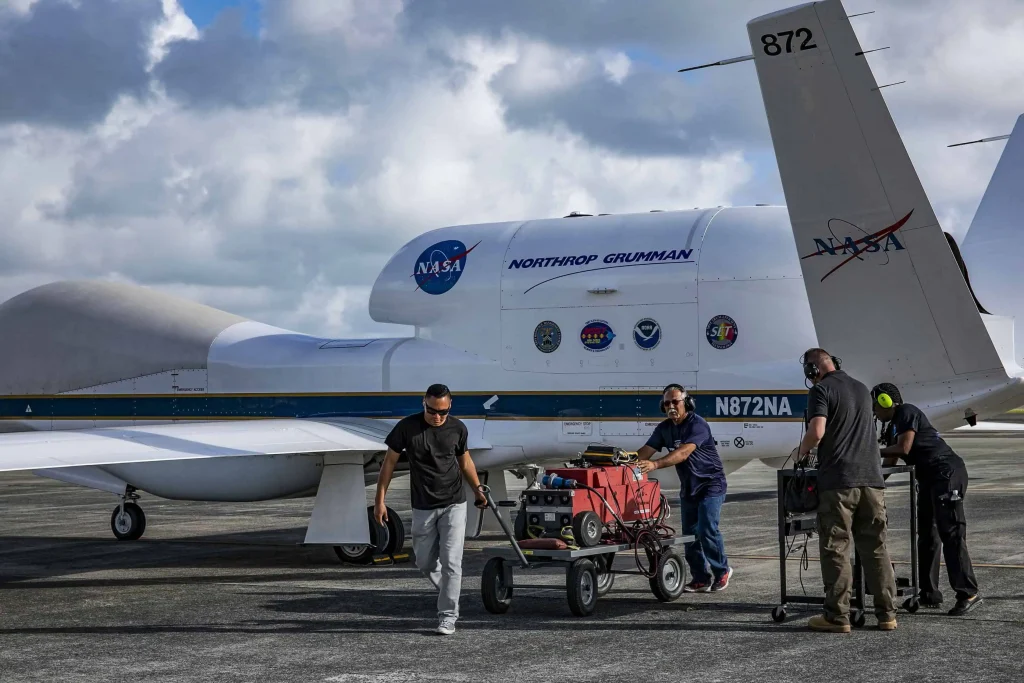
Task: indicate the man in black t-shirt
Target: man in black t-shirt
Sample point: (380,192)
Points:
(851,492)
(435,444)
(942,485)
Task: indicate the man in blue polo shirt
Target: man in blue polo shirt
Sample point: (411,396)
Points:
(687,437)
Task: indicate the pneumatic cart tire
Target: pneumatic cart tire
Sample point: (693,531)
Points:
(496,594)
(586,528)
(911,604)
(581,587)
(779,614)
(668,583)
(605,577)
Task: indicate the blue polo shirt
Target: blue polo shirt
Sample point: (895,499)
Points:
(702,474)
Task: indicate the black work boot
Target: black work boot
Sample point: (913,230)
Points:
(965,605)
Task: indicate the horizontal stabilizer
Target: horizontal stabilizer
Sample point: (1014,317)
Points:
(885,290)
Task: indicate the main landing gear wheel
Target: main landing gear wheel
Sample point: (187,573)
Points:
(668,583)
(130,524)
(385,539)
(779,614)
(496,594)
(581,587)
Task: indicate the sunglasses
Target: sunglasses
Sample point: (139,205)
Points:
(433,411)
(671,402)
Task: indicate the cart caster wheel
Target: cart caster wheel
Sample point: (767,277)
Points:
(911,604)
(857,618)
(668,583)
(605,577)
(779,614)
(496,594)
(581,587)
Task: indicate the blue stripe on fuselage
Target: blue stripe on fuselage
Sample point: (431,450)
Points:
(761,406)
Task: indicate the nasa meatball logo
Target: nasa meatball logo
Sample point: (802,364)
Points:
(721,332)
(597,335)
(647,334)
(547,336)
(440,266)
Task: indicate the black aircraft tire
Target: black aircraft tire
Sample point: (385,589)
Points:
(132,526)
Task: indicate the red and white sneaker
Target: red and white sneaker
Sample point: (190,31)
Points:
(697,587)
(722,583)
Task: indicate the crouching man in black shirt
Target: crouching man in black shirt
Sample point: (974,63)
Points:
(942,484)
(435,444)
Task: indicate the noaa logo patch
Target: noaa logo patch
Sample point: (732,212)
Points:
(547,336)
(597,335)
(721,332)
(440,266)
(647,333)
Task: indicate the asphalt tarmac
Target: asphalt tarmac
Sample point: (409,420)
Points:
(224,592)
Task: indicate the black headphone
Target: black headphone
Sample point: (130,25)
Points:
(811,370)
(687,399)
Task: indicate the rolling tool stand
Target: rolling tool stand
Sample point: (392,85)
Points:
(803,524)
(588,572)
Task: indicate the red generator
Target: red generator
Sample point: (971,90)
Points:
(602,489)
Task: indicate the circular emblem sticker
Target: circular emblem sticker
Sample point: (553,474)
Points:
(647,333)
(547,336)
(440,266)
(721,332)
(597,335)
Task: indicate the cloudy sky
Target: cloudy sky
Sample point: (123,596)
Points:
(267,156)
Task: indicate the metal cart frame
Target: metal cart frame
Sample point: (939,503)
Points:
(797,524)
(588,571)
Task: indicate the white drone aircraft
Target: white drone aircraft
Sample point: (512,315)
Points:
(552,334)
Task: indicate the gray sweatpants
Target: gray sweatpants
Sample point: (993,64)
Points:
(438,537)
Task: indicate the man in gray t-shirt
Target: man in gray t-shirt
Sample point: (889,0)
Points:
(851,492)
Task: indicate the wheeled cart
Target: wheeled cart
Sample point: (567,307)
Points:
(588,571)
(793,524)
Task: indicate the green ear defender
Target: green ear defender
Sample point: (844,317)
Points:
(884,400)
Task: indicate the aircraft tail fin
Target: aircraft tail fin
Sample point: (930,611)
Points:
(885,289)
(994,243)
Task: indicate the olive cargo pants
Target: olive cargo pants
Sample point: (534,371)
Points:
(857,513)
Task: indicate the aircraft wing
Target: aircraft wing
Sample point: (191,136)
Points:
(185,441)
(992,427)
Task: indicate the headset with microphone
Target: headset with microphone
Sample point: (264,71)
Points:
(811,370)
(687,399)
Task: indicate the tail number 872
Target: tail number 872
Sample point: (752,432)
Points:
(773,47)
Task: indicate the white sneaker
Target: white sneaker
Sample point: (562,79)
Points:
(446,627)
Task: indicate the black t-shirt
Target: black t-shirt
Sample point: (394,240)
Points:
(929,454)
(848,455)
(435,479)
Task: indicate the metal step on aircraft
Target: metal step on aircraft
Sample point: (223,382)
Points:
(553,334)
